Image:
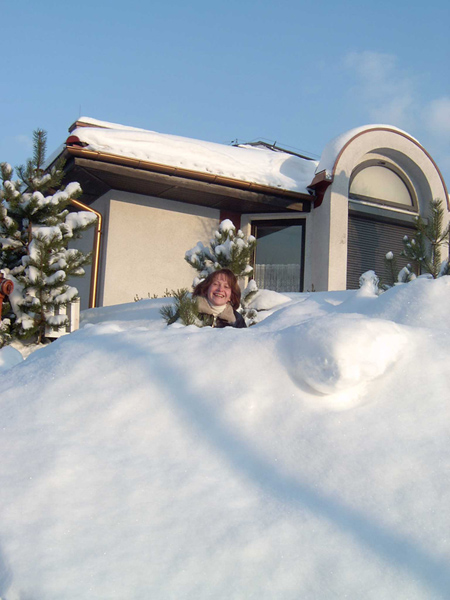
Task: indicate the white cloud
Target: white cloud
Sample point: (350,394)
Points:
(387,93)
(437,116)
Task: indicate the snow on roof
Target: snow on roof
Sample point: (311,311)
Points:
(263,166)
(334,147)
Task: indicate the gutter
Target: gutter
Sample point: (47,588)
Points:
(95,252)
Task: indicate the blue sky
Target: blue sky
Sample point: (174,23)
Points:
(295,72)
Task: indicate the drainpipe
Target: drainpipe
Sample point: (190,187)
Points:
(6,287)
(96,252)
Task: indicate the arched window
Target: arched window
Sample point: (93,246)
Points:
(382,183)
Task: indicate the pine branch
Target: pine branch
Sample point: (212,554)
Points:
(184,309)
(39,150)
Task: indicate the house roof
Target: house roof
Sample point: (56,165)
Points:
(268,167)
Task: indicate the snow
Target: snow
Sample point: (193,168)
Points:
(57,320)
(7,168)
(334,147)
(265,299)
(368,283)
(56,277)
(305,457)
(67,296)
(261,166)
(225,249)
(78,220)
(47,233)
(9,357)
(72,189)
(34,274)
(334,353)
(11,187)
(226,225)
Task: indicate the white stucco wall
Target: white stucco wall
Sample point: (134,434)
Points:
(144,243)
(321,244)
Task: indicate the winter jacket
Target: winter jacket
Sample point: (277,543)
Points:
(228,318)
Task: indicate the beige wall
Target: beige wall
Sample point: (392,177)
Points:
(145,240)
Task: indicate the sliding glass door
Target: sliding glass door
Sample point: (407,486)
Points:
(279,257)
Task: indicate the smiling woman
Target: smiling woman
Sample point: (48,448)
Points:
(218,298)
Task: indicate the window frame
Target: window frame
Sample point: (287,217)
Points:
(283,223)
(414,208)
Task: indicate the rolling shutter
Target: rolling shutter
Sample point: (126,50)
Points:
(369,240)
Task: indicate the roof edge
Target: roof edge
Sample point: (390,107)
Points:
(76,149)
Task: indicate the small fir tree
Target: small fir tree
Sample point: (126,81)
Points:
(228,249)
(35,230)
(424,249)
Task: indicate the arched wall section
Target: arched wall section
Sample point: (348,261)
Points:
(352,233)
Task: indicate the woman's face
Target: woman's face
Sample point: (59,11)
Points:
(219,292)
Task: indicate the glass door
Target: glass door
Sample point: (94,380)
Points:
(279,255)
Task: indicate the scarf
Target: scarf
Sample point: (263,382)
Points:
(225,312)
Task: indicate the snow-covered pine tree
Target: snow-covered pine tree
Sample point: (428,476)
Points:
(35,230)
(424,249)
(228,249)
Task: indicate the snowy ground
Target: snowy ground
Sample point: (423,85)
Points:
(307,457)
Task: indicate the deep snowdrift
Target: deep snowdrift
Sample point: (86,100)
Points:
(306,457)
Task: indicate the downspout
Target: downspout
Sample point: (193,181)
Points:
(95,252)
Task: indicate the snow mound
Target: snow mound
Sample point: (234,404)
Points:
(339,352)
(144,461)
(267,299)
(423,302)
(9,357)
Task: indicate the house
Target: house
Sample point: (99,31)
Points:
(319,225)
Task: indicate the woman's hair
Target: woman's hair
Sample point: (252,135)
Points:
(201,289)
